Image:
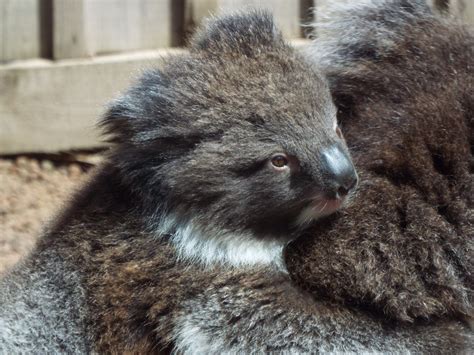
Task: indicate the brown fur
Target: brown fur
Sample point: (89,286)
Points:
(405,246)
(137,292)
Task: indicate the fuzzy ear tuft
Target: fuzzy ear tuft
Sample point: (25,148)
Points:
(138,114)
(241,33)
(116,125)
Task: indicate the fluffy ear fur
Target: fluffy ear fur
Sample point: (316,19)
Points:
(240,33)
(132,113)
(402,79)
(146,111)
(166,103)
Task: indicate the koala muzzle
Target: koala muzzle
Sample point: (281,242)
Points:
(340,172)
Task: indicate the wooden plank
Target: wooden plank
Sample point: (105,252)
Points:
(111,25)
(85,28)
(70,37)
(48,106)
(464,9)
(286,12)
(19,29)
(125,25)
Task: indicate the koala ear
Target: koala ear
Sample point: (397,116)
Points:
(239,33)
(117,125)
(138,114)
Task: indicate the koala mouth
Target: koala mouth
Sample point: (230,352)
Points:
(317,209)
(326,206)
(331,206)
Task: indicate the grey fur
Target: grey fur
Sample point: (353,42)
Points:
(275,317)
(42,308)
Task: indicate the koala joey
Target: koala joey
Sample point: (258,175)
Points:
(220,158)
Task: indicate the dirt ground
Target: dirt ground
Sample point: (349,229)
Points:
(32,191)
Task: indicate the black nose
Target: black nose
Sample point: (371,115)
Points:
(346,186)
(339,171)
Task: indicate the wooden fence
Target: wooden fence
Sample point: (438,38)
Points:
(62,60)
(60,29)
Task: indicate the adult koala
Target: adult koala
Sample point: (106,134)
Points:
(403,81)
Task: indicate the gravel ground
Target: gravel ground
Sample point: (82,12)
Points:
(32,191)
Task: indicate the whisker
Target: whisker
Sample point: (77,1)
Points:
(318,205)
(322,209)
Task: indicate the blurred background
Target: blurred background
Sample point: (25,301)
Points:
(61,61)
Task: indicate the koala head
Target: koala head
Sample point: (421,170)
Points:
(240,133)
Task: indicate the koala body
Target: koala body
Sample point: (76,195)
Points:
(175,245)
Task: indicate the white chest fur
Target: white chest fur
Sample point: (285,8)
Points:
(210,246)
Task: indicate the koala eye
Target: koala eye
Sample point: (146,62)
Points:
(339,132)
(279,161)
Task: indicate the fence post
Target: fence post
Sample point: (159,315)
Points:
(464,9)
(19,29)
(70,38)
